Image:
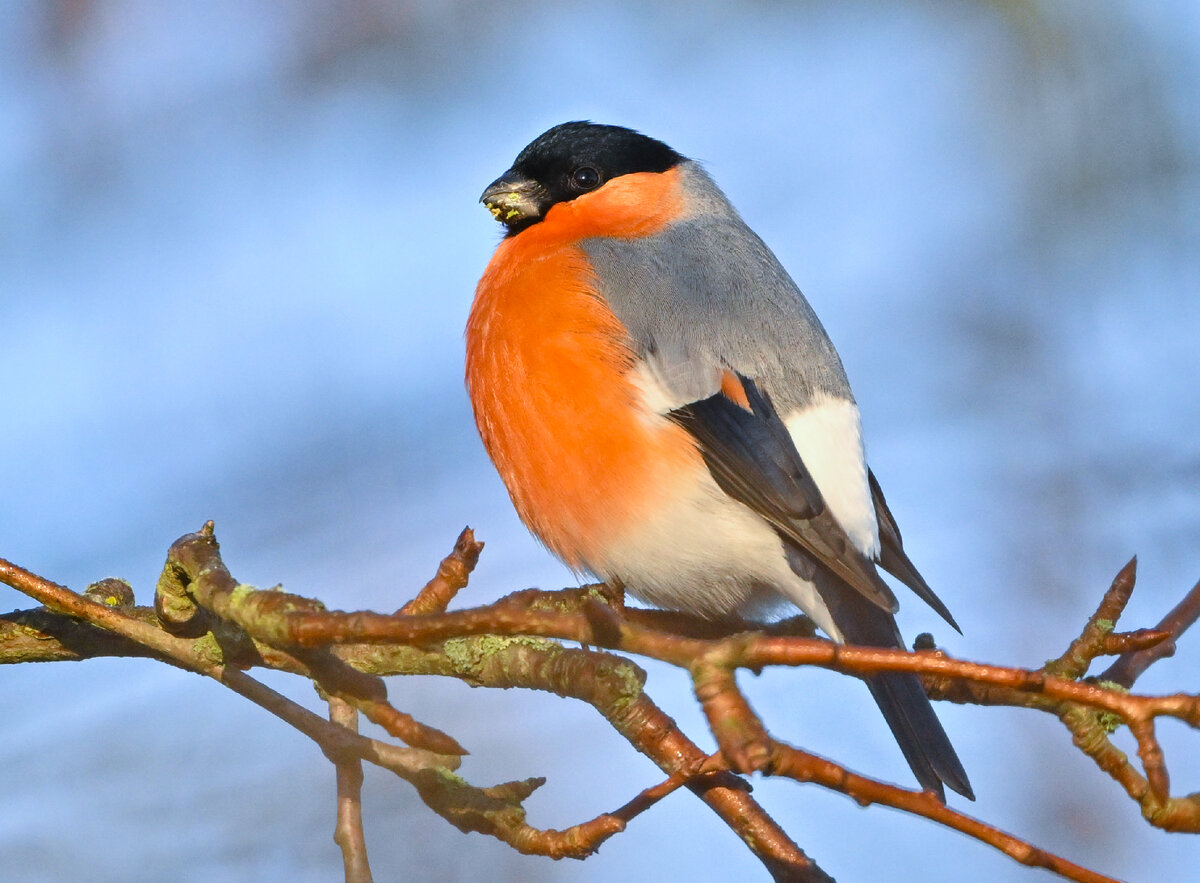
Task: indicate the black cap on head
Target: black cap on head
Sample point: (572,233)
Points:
(567,161)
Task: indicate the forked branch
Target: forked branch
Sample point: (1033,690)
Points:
(205,621)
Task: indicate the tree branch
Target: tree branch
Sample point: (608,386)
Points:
(205,621)
(1132,663)
(348,831)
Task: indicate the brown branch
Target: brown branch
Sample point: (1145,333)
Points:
(577,616)
(746,745)
(337,678)
(648,797)
(488,810)
(1089,732)
(1129,667)
(613,686)
(42,635)
(195,574)
(348,830)
(196,571)
(522,613)
(743,739)
(495,810)
(1077,658)
(1119,643)
(1090,727)
(451,578)
(804,767)
(220,626)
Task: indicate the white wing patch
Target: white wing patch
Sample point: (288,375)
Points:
(701,550)
(828,435)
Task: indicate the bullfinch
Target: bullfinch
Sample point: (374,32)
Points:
(666,410)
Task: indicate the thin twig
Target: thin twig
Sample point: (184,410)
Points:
(1130,666)
(491,810)
(1078,656)
(342,653)
(451,578)
(804,767)
(348,831)
(521,614)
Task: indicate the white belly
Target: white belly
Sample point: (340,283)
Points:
(706,553)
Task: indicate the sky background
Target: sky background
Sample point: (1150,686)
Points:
(238,243)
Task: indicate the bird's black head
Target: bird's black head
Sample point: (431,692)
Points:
(567,161)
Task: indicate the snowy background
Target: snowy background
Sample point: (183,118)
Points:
(238,242)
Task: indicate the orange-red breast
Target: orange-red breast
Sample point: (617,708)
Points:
(666,409)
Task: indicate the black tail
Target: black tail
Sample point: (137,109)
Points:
(900,696)
(926,747)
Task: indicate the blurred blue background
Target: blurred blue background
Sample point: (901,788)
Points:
(238,241)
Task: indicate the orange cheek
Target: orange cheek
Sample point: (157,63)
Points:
(634,205)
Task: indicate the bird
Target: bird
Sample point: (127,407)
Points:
(667,412)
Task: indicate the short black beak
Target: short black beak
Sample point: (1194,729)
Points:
(513,198)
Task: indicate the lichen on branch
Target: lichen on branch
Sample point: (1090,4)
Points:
(205,621)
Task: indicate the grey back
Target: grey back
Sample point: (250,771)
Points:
(707,295)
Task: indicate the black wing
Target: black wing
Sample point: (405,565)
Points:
(752,458)
(893,559)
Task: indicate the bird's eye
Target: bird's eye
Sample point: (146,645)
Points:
(585,178)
